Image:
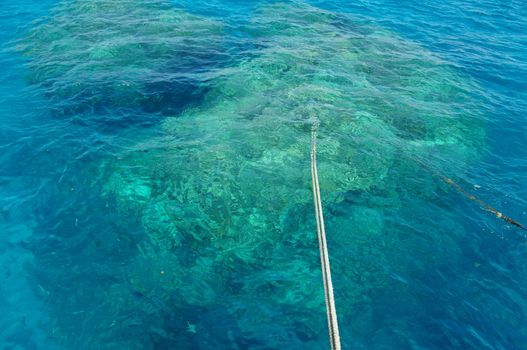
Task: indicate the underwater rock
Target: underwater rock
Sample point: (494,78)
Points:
(102,55)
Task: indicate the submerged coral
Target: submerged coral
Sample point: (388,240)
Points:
(230,180)
(224,195)
(97,54)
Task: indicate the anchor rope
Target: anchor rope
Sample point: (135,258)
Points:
(471,197)
(331,311)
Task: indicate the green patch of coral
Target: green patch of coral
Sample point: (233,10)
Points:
(224,196)
(98,54)
(230,180)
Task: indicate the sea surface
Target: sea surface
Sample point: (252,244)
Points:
(155,187)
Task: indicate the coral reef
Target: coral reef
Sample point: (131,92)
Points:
(230,181)
(100,54)
(224,194)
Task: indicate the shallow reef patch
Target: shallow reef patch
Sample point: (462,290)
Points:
(102,56)
(223,195)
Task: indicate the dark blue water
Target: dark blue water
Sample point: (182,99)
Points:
(95,253)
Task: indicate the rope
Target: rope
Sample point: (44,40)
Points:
(472,197)
(331,311)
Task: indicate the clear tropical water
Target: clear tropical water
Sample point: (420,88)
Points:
(155,184)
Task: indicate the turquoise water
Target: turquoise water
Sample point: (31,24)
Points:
(155,184)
